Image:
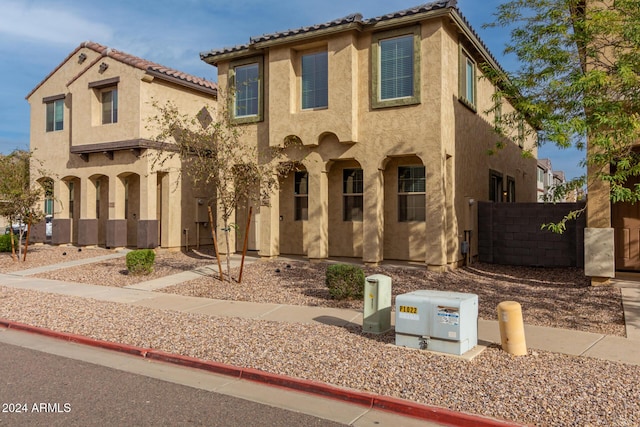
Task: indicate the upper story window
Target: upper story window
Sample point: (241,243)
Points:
(105,107)
(246,81)
(54,113)
(301,195)
(246,90)
(411,193)
(495,186)
(315,80)
(352,190)
(109,100)
(395,61)
(467,80)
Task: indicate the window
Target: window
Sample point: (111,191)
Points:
(411,193)
(97,199)
(109,106)
(126,198)
(71,199)
(315,83)
(352,189)
(55,115)
(511,190)
(245,77)
(540,175)
(301,196)
(495,186)
(396,68)
(467,80)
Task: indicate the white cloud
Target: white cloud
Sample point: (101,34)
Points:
(48,23)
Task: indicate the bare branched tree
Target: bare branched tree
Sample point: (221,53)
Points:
(211,147)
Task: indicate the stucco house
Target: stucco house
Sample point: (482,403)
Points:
(89,128)
(395,119)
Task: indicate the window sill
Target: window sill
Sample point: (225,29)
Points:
(396,102)
(246,120)
(468,104)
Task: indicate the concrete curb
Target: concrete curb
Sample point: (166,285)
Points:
(385,403)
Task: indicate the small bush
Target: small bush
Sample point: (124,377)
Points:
(141,261)
(345,281)
(5,242)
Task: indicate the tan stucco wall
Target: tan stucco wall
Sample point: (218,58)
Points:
(440,132)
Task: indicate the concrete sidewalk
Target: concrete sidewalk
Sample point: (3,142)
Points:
(570,342)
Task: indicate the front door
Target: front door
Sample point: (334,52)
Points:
(625,218)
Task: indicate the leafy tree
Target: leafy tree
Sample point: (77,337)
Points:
(579,83)
(18,197)
(215,156)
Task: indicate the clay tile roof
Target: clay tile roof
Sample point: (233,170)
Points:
(354,18)
(443,4)
(154,68)
(157,70)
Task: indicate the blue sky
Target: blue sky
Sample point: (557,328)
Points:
(36,35)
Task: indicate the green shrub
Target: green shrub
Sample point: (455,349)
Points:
(5,242)
(141,261)
(345,281)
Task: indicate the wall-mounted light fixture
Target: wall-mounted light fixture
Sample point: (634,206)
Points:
(472,202)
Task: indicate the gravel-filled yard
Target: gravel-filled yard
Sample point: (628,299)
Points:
(556,297)
(541,388)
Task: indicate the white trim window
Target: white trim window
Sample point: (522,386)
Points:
(412,194)
(247,90)
(352,194)
(301,195)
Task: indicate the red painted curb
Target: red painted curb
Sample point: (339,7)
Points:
(385,403)
(192,362)
(80,339)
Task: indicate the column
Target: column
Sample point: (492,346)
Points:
(318,223)
(373,215)
(87,223)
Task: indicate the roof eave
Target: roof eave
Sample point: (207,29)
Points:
(184,83)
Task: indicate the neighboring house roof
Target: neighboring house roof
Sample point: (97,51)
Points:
(545,164)
(152,68)
(353,21)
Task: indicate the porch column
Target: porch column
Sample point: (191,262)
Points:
(436,222)
(373,215)
(148,221)
(117,224)
(318,223)
(270,226)
(61,224)
(87,223)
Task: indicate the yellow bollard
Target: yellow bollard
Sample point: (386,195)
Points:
(512,328)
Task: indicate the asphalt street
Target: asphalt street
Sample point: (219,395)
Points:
(41,389)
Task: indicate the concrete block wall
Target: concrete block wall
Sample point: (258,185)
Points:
(511,234)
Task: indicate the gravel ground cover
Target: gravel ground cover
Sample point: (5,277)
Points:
(113,272)
(558,297)
(541,388)
(554,297)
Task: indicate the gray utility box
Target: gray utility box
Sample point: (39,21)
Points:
(438,321)
(377,304)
